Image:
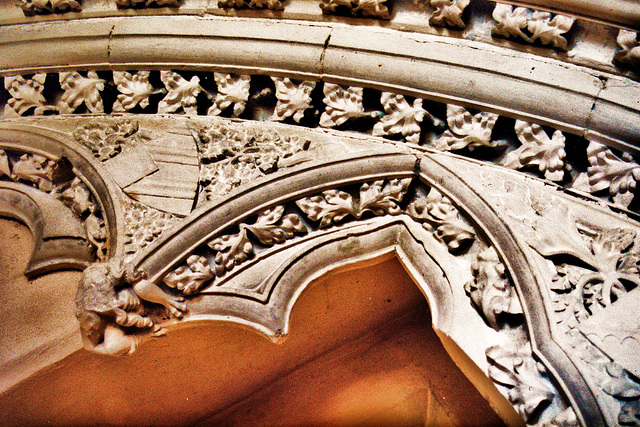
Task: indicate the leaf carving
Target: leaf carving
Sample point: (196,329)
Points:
(538,150)
(181,93)
(402,118)
(329,208)
(35,168)
(252,4)
(26,94)
(79,90)
(342,105)
(190,277)
(630,48)
(438,215)
(549,30)
(271,227)
(607,171)
(381,199)
(232,250)
(490,291)
(134,90)
(147,3)
(467,130)
(31,7)
(231,90)
(293,99)
(526,379)
(448,12)
(374,8)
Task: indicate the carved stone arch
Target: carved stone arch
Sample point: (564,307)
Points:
(57,222)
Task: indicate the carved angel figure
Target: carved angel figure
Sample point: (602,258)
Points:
(110,311)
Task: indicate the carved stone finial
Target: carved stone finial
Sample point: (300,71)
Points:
(110,308)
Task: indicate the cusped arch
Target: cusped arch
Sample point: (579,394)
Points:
(271,281)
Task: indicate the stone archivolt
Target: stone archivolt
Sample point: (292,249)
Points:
(249,184)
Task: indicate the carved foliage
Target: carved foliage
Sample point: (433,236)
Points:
(538,150)
(527,380)
(106,140)
(373,8)
(607,171)
(32,7)
(491,292)
(252,4)
(447,12)
(78,90)
(26,94)
(143,225)
(134,89)
(231,90)
(334,205)
(621,386)
(271,227)
(190,277)
(180,93)
(234,154)
(293,99)
(630,48)
(147,3)
(342,105)
(401,117)
(467,130)
(541,26)
(439,216)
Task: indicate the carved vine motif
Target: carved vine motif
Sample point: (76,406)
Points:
(58,180)
(605,266)
(252,4)
(32,7)
(26,94)
(609,172)
(147,3)
(143,225)
(334,205)
(114,305)
(447,12)
(180,93)
(630,48)
(373,8)
(439,216)
(402,118)
(234,154)
(106,140)
(541,26)
(134,89)
(538,150)
(80,90)
(467,130)
(527,380)
(342,105)
(231,90)
(491,291)
(293,100)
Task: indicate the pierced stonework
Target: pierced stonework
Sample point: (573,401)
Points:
(147,3)
(447,12)
(252,4)
(609,172)
(80,90)
(342,105)
(293,100)
(467,130)
(438,215)
(134,89)
(402,118)
(491,291)
(234,154)
(539,150)
(373,8)
(33,7)
(232,90)
(180,93)
(511,21)
(629,48)
(25,95)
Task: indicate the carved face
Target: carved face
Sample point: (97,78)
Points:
(92,327)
